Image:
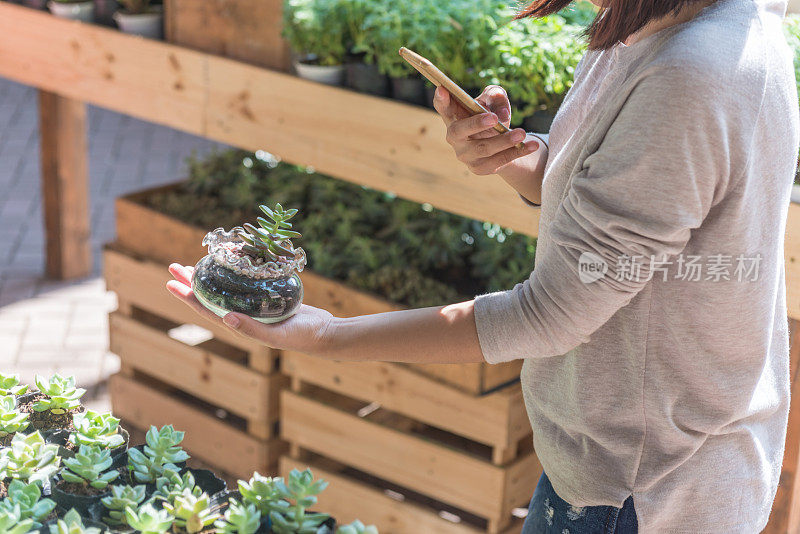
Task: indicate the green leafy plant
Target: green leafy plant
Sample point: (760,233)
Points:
(171,484)
(90,466)
(28,499)
(96,429)
(122,497)
(61,394)
(300,490)
(316,29)
(161,452)
(9,385)
(272,240)
(239,519)
(193,513)
(11,420)
(11,521)
(148,520)
(357,527)
(135,7)
(72,523)
(29,459)
(262,492)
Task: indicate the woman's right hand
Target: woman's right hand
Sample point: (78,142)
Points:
(476,143)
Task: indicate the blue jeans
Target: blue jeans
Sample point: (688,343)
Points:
(549,513)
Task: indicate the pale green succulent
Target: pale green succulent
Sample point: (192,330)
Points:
(11,521)
(148,520)
(28,497)
(357,527)
(272,239)
(121,498)
(9,385)
(171,484)
(239,519)
(72,524)
(90,466)
(61,394)
(29,458)
(263,493)
(192,513)
(300,490)
(11,420)
(161,452)
(92,428)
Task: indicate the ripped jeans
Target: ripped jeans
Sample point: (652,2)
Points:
(549,513)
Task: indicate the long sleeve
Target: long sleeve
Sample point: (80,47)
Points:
(651,180)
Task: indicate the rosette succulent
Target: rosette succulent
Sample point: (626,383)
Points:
(96,429)
(61,395)
(172,484)
(11,521)
(239,519)
(121,498)
(72,523)
(272,239)
(263,492)
(148,519)
(11,420)
(161,452)
(9,385)
(28,499)
(29,458)
(300,490)
(90,466)
(193,513)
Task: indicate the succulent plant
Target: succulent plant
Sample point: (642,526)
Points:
(271,239)
(148,520)
(300,490)
(262,492)
(357,527)
(29,458)
(61,394)
(90,466)
(11,420)
(161,452)
(9,385)
(239,518)
(122,497)
(92,428)
(171,484)
(28,497)
(11,521)
(72,524)
(193,513)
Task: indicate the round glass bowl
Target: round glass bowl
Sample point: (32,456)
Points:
(225,281)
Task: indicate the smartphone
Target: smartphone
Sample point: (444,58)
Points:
(438,78)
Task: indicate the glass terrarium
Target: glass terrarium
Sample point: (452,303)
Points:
(252,270)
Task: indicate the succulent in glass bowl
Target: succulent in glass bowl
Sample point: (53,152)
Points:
(252,270)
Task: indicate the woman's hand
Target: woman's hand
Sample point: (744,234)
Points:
(309,330)
(476,143)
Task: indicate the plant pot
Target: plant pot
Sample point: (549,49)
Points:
(81,503)
(82,11)
(150,24)
(329,75)
(410,89)
(367,79)
(539,122)
(35,4)
(104,11)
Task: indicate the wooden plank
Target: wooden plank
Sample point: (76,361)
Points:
(792,258)
(65,186)
(207,438)
(485,419)
(198,372)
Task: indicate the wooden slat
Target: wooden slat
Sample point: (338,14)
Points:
(65,186)
(792,256)
(207,438)
(198,372)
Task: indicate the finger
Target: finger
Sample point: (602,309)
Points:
(249,327)
(494,163)
(462,129)
(495,99)
(182,273)
(186,295)
(485,148)
(449,109)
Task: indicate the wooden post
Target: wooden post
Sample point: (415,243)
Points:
(65,188)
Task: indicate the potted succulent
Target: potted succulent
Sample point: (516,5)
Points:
(172,484)
(315,31)
(160,453)
(27,499)
(11,521)
(11,420)
(100,430)
(111,510)
(139,17)
(148,519)
(82,10)
(28,458)
(9,385)
(193,513)
(73,523)
(240,518)
(85,479)
(253,270)
(53,406)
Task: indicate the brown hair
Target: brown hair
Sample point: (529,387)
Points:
(617,19)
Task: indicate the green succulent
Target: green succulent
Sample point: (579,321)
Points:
(271,239)
(193,513)
(9,385)
(262,492)
(96,429)
(72,524)
(11,521)
(90,466)
(148,520)
(357,527)
(239,519)
(122,497)
(171,484)
(29,458)
(161,452)
(28,498)
(61,394)
(11,420)
(300,490)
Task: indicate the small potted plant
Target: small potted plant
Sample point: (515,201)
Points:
(11,521)
(315,31)
(82,10)
(253,270)
(9,385)
(85,479)
(73,523)
(112,507)
(11,420)
(138,17)
(101,430)
(298,493)
(172,484)
(28,499)
(52,407)
(240,518)
(28,458)
(192,513)
(161,452)
(149,520)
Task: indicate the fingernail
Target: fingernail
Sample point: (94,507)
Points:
(490,119)
(231,320)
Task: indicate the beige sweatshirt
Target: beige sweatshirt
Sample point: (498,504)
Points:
(653,326)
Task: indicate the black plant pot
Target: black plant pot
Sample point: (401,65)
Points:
(104,12)
(81,503)
(410,89)
(208,481)
(539,122)
(366,78)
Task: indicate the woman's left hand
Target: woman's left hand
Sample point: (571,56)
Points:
(308,330)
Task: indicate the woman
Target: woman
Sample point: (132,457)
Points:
(654,326)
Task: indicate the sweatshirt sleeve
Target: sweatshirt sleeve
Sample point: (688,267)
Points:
(652,179)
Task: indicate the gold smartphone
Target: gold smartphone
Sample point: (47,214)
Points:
(438,78)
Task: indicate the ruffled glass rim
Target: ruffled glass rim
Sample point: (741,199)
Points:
(219,247)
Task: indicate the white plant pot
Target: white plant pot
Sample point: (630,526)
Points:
(150,25)
(83,11)
(327,75)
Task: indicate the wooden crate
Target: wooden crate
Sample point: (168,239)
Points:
(181,242)
(247,30)
(227,381)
